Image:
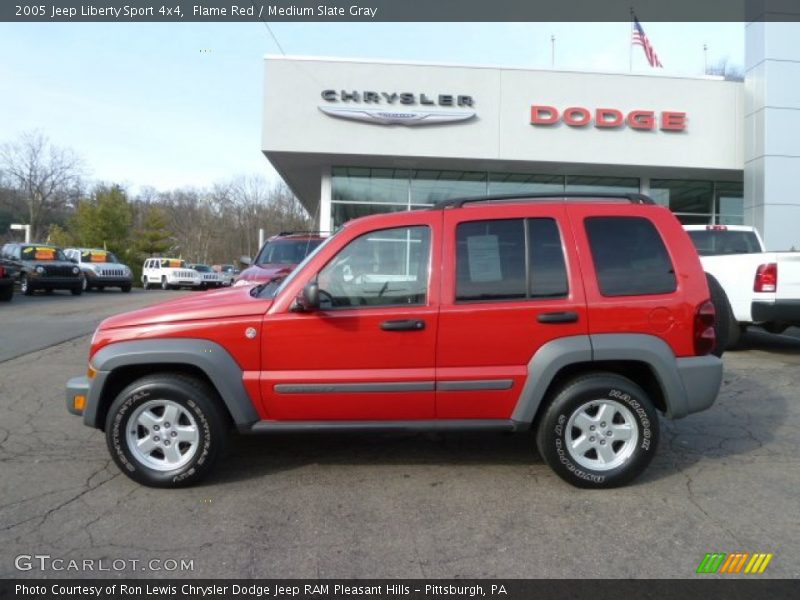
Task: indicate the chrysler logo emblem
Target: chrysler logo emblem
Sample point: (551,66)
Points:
(384,116)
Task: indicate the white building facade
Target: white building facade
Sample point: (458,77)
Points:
(353,138)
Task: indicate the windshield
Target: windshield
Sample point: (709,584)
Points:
(42,253)
(286,252)
(98,256)
(270,291)
(228,268)
(203,269)
(715,242)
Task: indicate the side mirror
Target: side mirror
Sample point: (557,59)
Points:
(308,300)
(246,260)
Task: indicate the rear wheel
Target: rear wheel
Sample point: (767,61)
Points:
(166,430)
(6,293)
(599,431)
(723,315)
(164,284)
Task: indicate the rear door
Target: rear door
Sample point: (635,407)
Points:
(511,284)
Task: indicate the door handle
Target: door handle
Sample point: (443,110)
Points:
(558,317)
(403,325)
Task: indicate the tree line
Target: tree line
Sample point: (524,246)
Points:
(46,187)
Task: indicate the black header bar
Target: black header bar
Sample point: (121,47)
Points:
(185,11)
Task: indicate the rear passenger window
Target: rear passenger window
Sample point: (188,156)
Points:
(629,257)
(493,261)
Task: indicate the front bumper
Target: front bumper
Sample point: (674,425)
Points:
(77,387)
(109,281)
(785,311)
(54,283)
(701,377)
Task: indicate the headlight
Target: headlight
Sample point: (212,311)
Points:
(75,270)
(126,271)
(40,270)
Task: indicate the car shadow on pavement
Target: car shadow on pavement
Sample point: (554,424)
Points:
(256,456)
(757,339)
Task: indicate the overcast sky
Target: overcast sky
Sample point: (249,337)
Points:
(170,105)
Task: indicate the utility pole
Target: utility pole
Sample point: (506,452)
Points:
(705,59)
(552,51)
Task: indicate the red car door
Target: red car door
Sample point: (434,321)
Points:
(511,284)
(368,353)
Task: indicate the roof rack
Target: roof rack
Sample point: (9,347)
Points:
(540,196)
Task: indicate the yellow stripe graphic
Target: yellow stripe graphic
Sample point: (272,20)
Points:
(767,558)
(755,562)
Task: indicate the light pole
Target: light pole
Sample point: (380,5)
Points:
(25,228)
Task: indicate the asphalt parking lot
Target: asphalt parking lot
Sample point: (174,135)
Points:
(414,505)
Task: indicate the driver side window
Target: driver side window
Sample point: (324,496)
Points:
(380,268)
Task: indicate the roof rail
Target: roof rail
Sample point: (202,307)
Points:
(542,196)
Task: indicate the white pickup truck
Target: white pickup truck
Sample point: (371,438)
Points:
(760,288)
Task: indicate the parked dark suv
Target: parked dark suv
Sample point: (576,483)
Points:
(579,321)
(44,267)
(8,275)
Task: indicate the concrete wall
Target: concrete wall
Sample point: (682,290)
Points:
(772,131)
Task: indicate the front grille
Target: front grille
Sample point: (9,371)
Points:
(209,276)
(56,271)
(112,273)
(186,274)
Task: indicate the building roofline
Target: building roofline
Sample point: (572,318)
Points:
(412,63)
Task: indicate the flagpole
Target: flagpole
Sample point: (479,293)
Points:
(630,45)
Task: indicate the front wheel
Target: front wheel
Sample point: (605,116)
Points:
(164,284)
(6,293)
(599,431)
(166,430)
(25,285)
(77,291)
(126,289)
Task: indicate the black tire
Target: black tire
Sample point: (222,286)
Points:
(197,399)
(164,284)
(6,293)
(145,284)
(126,289)
(776,327)
(25,285)
(724,315)
(77,290)
(579,395)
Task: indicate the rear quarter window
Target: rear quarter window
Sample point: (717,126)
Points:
(629,257)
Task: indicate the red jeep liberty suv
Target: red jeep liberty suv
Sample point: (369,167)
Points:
(575,317)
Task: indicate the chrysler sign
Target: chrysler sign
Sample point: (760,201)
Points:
(608,118)
(397,108)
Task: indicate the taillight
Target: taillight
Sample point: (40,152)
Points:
(705,338)
(766,278)
(2,271)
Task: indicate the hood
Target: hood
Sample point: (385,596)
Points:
(263,273)
(224,304)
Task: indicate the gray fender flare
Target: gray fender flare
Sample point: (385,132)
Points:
(211,358)
(557,354)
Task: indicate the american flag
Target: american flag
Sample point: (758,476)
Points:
(640,38)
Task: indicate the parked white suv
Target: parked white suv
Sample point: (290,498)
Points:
(100,268)
(211,279)
(169,273)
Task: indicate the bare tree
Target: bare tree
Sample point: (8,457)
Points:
(47,177)
(723,68)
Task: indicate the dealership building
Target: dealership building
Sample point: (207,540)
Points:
(355,137)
